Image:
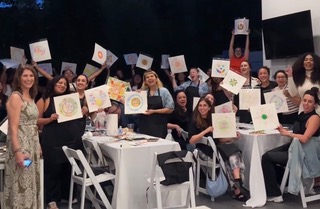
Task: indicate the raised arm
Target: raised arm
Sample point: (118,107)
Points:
(95,74)
(246,49)
(41,71)
(231,50)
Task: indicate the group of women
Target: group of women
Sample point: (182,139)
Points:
(163,113)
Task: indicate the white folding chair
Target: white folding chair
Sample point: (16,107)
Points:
(157,176)
(211,162)
(304,199)
(86,178)
(95,156)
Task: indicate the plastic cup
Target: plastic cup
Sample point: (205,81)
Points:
(130,127)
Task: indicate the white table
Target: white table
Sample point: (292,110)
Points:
(133,166)
(253,146)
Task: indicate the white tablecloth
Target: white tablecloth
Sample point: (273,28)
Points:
(253,146)
(133,162)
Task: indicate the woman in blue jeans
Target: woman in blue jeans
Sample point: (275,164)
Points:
(306,131)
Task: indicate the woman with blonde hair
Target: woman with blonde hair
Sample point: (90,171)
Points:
(160,104)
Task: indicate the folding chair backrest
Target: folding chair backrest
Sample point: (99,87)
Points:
(71,155)
(95,155)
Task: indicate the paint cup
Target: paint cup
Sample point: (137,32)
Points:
(130,127)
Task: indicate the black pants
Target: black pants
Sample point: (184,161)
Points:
(272,172)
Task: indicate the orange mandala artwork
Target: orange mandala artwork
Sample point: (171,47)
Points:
(177,64)
(135,102)
(100,54)
(241,26)
(144,62)
(39,50)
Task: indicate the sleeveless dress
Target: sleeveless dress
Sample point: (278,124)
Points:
(22,185)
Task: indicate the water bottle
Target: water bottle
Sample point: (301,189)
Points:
(120,131)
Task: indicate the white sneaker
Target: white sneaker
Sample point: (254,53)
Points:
(277,199)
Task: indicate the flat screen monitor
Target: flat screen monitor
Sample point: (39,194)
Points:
(288,36)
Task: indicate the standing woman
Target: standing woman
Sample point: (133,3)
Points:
(304,75)
(55,135)
(193,88)
(22,184)
(291,116)
(160,104)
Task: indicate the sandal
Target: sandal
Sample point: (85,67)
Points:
(52,205)
(239,197)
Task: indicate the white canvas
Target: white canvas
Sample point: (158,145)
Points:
(89,69)
(68,107)
(69,66)
(195,102)
(165,61)
(241,26)
(249,98)
(178,64)
(99,54)
(135,102)
(279,99)
(144,62)
(219,68)
(111,58)
(4,127)
(224,108)
(131,59)
(40,51)
(224,125)
(233,82)
(203,76)
(17,54)
(9,63)
(46,67)
(97,98)
(264,117)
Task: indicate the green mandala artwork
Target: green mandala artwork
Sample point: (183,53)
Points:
(233,82)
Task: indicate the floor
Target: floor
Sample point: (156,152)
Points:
(225,202)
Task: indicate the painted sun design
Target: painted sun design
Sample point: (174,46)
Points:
(177,64)
(97,98)
(100,54)
(144,62)
(135,102)
(39,50)
(233,82)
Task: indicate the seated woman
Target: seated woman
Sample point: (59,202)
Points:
(201,126)
(306,131)
(286,118)
(179,119)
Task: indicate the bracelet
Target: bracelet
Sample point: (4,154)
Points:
(17,150)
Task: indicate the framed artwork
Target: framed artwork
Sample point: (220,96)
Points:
(144,62)
(17,54)
(241,26)
(99,54)
(111,58)
(165,61)
(135,102)
(224,125)
(233,82)
(195,102)
(264,117)
(224,108)
(69,66)
(116,88)
(97,97)
(249,98)
(131,59)
(279,99)
(68,107)
(40,51)
(220,68)
(178,64)
(46,67)
(89,69)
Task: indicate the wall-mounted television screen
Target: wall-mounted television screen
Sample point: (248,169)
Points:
(288,36)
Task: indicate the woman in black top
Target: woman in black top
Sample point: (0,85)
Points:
(266,85)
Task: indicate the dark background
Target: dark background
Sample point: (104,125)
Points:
(199,29)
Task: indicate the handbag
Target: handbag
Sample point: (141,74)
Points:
(218,187)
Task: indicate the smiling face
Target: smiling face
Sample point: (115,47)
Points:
(281,79)
(245,68)
(81,82)
(194,74)
(203,109)
(150,79)
(181,99)
(61,86)
(68,74)
(308,103)
(238,52)
(263,75)
(308,63)
(27,79)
